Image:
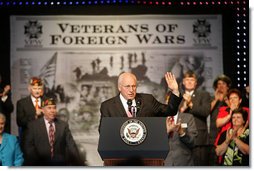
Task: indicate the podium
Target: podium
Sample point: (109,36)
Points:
(115,151)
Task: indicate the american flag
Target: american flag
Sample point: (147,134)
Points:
(48,72)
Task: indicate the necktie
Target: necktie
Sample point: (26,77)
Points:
(51,138)
(36,104)
(129,114)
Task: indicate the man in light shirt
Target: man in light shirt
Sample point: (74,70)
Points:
(196,102)
(144,105)
(49,141)
(29,108)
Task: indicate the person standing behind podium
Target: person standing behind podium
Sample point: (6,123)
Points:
(29,108)
(182,133)
(197,103)
(49,141)
(144,105)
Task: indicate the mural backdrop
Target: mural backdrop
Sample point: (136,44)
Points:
(80,58)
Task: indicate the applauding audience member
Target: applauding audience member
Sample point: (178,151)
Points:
(6,105)
(182,133)
(197,103)
(233,144)
(221,86)
(29,108)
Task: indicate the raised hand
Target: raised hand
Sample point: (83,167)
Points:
(7,88)
(172,83)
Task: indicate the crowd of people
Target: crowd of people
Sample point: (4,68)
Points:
(46,140)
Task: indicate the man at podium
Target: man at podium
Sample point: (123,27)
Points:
(129,103)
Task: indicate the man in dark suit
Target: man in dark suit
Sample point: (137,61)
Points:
(197,103)
(182,133)
(49,141)
(6,105)
(128,103)
(29,108)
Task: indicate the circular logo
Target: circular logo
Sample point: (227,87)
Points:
(133,132)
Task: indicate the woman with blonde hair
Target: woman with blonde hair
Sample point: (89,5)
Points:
(10,153)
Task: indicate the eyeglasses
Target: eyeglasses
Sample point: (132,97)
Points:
(130,86)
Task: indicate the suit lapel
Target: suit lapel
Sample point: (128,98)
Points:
(31,105)
(57,130)
(119,106)
(42,127)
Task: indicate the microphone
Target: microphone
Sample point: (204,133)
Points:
(138,104)
(129,103)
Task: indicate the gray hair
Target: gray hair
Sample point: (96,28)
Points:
(123,75)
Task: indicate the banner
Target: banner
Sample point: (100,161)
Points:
(80,58)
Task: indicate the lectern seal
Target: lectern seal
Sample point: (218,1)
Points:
(133,132)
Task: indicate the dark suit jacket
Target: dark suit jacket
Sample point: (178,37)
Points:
(201,109)
(7,108)
(149,106)
(25,112)
(180,148)
(37,147)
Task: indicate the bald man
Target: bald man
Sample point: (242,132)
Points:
(145,105)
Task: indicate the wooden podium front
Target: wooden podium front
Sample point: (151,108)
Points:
(133,162)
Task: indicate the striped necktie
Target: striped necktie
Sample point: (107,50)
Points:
(51,138)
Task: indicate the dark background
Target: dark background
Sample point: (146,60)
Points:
(230,14)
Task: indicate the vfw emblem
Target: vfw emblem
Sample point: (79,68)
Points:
(133,132)
(33,32)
